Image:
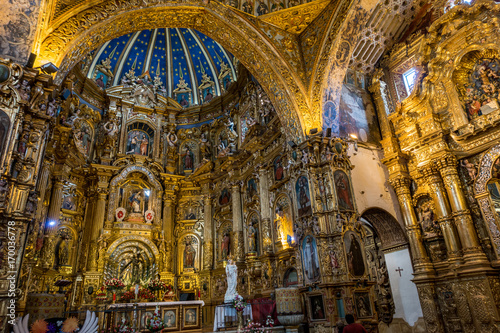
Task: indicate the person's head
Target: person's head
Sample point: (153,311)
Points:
(349,318)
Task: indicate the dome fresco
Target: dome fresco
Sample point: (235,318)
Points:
(192,67)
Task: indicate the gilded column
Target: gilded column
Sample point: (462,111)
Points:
(55,207)
(443,212)
(473,253)
(237,243)
(168,228)
(421,260)
(97,225)
(383,103)
(265,210)
(208,245)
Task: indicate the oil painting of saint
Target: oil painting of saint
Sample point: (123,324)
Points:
(310,259)
(251,188)
(225,246)
(355,261)
(138,143)
(363,305)
(343,189)
(278,169)
(225,197)
(303,196)
(189,255)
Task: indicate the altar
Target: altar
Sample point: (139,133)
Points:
(226,316)
(177,316)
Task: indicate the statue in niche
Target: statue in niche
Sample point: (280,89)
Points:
(136,199)
(253,235)
(231,136)
(205,147)
(426,218)
(189,255)
(131,271)
(31,203)
(232,279)
(310,257)
(470,167)
(225,246)
(63,253)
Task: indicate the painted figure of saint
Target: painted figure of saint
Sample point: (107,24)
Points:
(189,255)
(144,145)
(188,159)
(355,260)
(311,265)
(343,191)
(225,246)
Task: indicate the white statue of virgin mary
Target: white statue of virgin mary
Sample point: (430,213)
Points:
(232,278)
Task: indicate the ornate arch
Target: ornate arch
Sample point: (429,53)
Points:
(69,42)
(121,240)
(386,226)
(482,195)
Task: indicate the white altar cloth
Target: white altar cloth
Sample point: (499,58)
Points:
(160,304)
(223,311)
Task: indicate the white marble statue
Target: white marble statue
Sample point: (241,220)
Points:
(232,278)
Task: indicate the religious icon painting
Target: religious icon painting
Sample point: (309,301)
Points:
(317,308)
(303,196)
(354,253)
(251,188)
(170,318)
(362,304)
(184,99)
(310,259)
(278,169)
(208,94)
(225,197)
(191,317)
(343,188)
(101,80)
(187,157)
(146,316)
(139,139)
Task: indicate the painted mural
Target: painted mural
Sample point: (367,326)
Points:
(310,259)
(303,196)
(357,114)
(355,261)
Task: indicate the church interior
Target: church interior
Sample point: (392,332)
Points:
(317,158)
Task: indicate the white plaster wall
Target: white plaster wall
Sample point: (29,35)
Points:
(369,178)
(404,291)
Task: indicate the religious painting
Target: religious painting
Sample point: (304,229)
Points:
(139,139)
(170,318)
(226,81)
(191,317)
(189,247)
(190,213)
(283,222)
(83,134)
(146,316)
(187,153)
(343,188)
(69,202)
(225,197)
(253,234)
(184,99)
(357,115)
(303,196)
(208,94)
(354,252)
(310,259)
(225,240)
(290,278)
(278,169)
(479,87)
(101,80)
(317,307)
(362,304)
(251,188)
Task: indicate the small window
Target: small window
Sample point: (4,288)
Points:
(409,77)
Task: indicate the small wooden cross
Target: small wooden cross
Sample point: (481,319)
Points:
(399,270)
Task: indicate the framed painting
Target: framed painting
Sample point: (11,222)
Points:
(146,316)
(354,254)
(191,317)
(171,319)
(317,308)
(363,305)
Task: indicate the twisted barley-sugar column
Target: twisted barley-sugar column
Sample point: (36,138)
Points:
(97,226)
(265,210)
(237,243)
(207,231)
(443,212)
(421,260)
(473,253)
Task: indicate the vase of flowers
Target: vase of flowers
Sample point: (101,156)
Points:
(114,285)
(239,304)
(155,324)
(157,286)
(254,328)
(145,295)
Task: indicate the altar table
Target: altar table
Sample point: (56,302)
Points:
(226,316)
(178,316)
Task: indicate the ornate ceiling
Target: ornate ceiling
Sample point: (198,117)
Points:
(179,57)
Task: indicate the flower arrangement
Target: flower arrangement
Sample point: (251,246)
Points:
(238,303)
(128,295)
(142,294)
(269,321)
(156,284)
(155,324)
(254,328)
(114,284)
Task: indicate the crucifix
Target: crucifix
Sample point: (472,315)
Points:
(399,270)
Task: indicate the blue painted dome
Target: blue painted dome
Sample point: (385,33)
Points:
(192,67)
